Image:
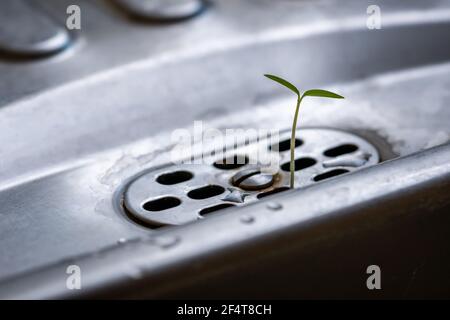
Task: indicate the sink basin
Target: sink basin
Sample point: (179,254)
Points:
(72,142)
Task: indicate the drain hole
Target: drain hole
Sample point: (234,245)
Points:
(340,150)
(161,204)
(232,162)
(271,192)
(205,192)
(329,174)
(285,145)
(300,164)
(174,177)
(215,208)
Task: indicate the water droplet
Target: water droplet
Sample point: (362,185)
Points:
(165,242)
(274,206)
(121,241)
(247,219)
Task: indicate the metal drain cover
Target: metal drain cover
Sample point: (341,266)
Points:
(178,194)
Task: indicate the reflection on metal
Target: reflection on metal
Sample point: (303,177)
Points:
(252,179)
(355,160)
(27,31)
(162,10)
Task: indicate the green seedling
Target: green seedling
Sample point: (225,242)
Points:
(308,93)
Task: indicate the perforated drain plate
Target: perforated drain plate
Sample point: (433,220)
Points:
(177,194)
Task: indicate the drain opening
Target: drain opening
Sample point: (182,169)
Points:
(215,208)
(285,145)
(174,177)
(206,192)
(271,192)
(146,197)
(232,162)
(161,204)
(300,164)
(329,174)
(340,150)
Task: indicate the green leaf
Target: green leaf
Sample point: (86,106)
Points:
(284,83)
(322,93)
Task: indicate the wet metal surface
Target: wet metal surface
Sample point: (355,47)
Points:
(77,128)
(363,200)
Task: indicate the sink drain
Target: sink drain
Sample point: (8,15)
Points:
(178,194)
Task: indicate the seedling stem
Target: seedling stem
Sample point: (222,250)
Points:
(311,93)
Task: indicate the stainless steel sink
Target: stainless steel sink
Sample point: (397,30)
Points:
(77,127)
